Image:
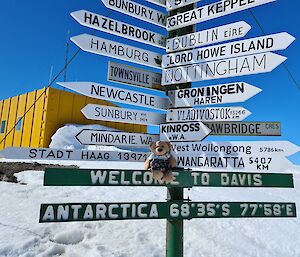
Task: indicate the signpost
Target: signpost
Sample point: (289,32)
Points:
(116,50)
(183,178)
(99,137)
(231,128)
(116,94)
(211,95)
(232,67)
(207,114)
(161,3)
(274,42)
(125,74)
(116,114)
(137,10)
(191,131)
(118,28)
(178,210)
(175,4)
(211,11)
(27,153)
(209,36)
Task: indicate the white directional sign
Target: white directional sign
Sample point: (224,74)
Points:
(250,46)
(125,74)
(174,4)
(98,137)
(118,28)
(207,114)
(235,148)
(211,95)
(120,51)
(116,94)
(137,10)
(211,11)
(23,153)
(161,3)
(209,36)
(116,114)
(183,132)
(233,163)
(233,67)
(232,128)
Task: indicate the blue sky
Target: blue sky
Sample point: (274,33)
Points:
(34,34)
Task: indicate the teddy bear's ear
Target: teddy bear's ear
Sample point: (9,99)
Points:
(152,144)
(169,145)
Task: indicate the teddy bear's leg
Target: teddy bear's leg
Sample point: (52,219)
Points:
(168,176)
(157,174)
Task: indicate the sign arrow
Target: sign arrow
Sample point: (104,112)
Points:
(232,67)
(137,10)
(174,4)
(207,114)
(236,148)
(116,114)
(209,36)
(98,137)
(211,11)
(115,94)
(118,28)
(211,95)
(116,50)
(274,42)
(183,132)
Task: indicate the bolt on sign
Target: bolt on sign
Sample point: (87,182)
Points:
(207,114)
(183,178)
(129,75)
(209,36)
(211,95)
(116,50)
(137,10)
(71,154)
(164,210)
(116,94)
(211,11)
(231,67)
(118,28)
(116,114)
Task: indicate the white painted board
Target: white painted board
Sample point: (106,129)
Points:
(161,3)
(174,4)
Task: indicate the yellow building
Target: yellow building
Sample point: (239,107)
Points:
(52,109)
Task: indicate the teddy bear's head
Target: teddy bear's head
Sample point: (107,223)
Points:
(160,147)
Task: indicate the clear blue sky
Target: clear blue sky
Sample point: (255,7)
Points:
(34,33)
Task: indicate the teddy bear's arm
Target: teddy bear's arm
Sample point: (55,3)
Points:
(173,162)
(147,164)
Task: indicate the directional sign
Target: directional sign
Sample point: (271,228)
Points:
(116,114)
(233,67)
(174,4)
(24,153)
(161,3)
(211,11)
(182,178)
(217,162)
(176,210)
(207,114)
(236,148)
(209,36)
(250,46)
(230,128)
(211,95)
(137,10)
(121,73)
(116,94)
(99,22)
(98,137)
(189,131)
(120,51)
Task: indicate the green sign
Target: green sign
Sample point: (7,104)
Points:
(183,178)
(174,210)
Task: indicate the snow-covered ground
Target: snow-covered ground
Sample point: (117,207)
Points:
(22,235)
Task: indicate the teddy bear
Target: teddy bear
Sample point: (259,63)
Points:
(161,161)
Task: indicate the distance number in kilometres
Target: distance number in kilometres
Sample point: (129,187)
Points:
(230,210)
(126,156)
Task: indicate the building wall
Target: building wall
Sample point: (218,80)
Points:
(53,109)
